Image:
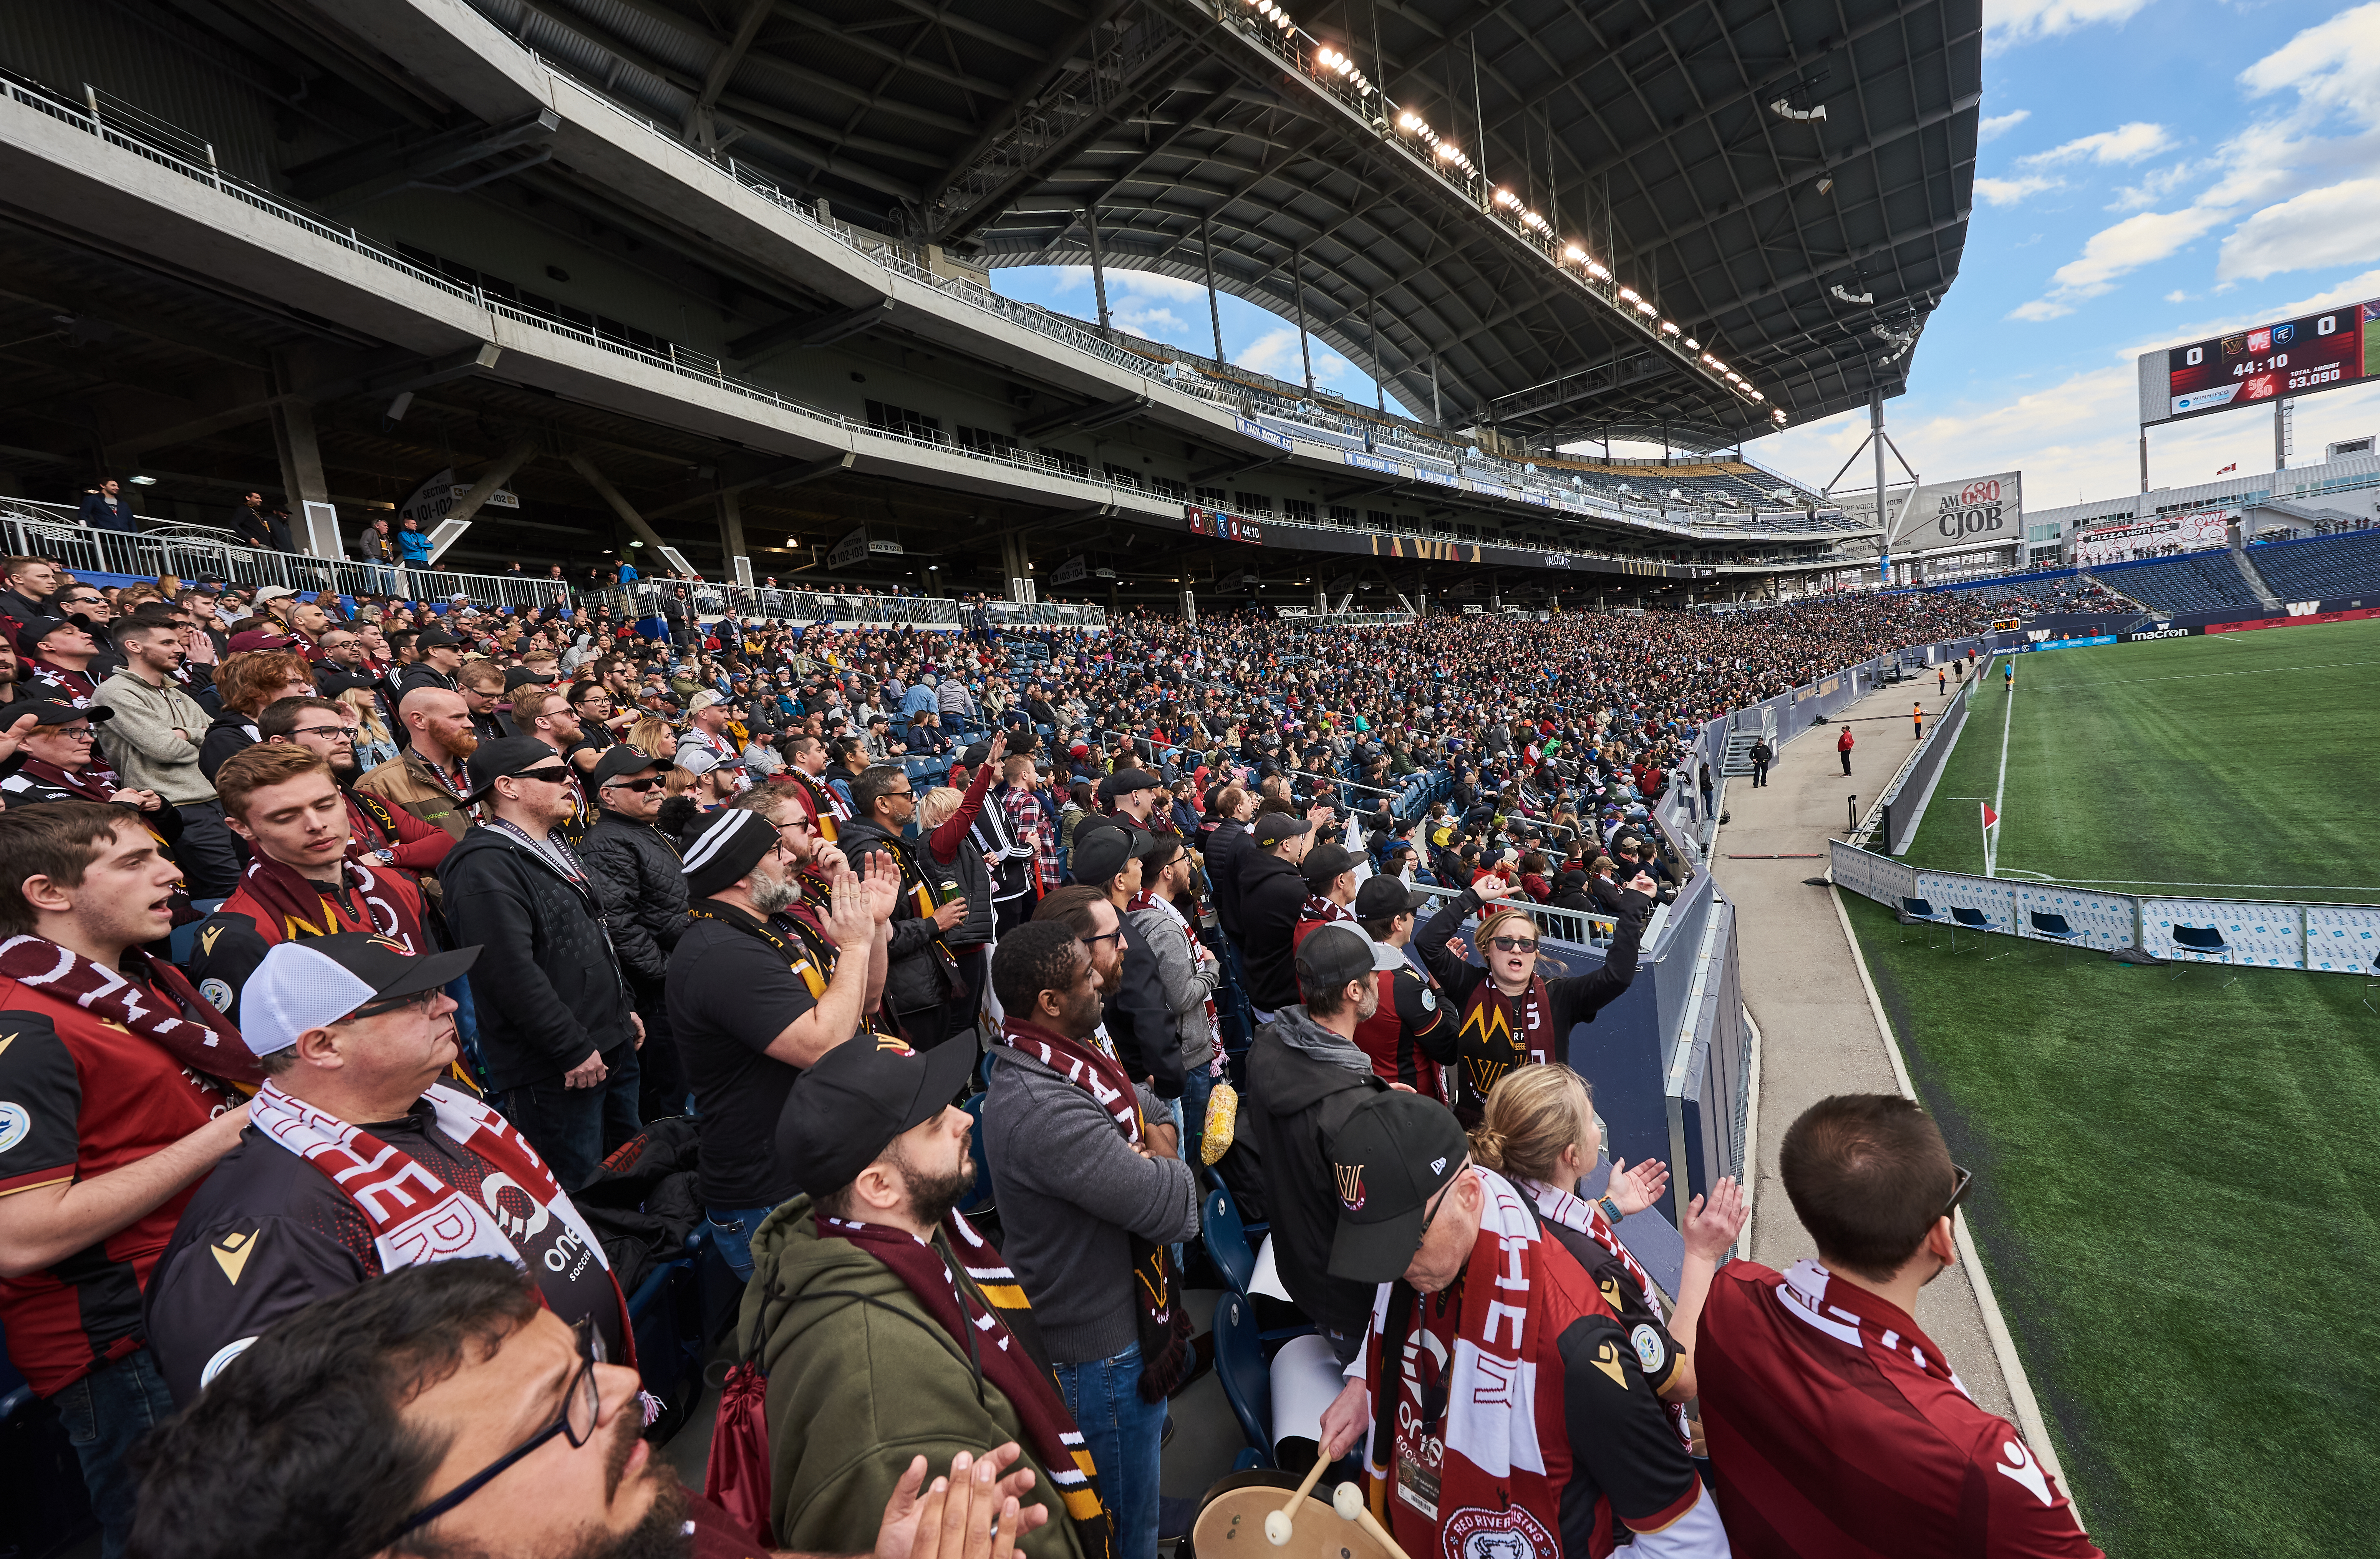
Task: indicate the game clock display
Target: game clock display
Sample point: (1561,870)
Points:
(2299,356)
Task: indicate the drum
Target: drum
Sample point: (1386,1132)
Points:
(1230,1523)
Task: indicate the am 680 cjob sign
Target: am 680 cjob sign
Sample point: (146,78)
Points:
(2301,356)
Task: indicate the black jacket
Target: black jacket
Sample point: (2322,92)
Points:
(421,673)
(1296,1104)
(1226,850)
(915,958)
(1272,893)
(1138,1019)
(548,988)
(230,731)
(637,873)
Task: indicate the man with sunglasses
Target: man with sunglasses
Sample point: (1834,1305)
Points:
(635,869)
(356,1150)
(558,1029)
(1835,1424)
(922,974)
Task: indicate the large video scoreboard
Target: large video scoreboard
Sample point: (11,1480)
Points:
(2301,356)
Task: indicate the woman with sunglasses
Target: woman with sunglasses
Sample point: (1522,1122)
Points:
(1508,1015)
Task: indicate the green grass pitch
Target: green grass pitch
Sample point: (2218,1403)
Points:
(2231,766)
(2174,1202)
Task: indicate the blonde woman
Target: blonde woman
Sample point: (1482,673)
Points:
(374,745)
(1507,1014)
(651,736)
(1539,1132)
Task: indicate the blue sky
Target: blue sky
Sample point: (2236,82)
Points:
(2153,172)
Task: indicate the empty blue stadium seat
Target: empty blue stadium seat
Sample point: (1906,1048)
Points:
(2322,567)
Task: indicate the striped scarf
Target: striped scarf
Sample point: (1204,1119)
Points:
(1005,1344)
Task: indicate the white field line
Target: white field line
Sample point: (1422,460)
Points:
(1999,791)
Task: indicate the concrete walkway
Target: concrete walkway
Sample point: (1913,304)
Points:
(1819,1033)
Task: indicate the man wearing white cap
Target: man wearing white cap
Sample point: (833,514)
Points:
(706,745)
(358,1160)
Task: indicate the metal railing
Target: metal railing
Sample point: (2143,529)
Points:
(1568,925)
(1060,615)
(195,552)
(654,598)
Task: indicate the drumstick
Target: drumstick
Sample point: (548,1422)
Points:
(1348,1501)
(1278,1522)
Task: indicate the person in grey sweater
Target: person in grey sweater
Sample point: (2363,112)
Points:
(152,743)
(1091,1189)
(1186,972)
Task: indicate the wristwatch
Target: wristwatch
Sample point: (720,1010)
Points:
(385,857)
(1611,1208)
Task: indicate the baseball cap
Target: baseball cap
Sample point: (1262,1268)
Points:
(1124,781)
(436,638)
(1390,1157)
(706,699)
(505,757)
(275,593)
(30,636)
(308,984)
(1385,897)
(842,1112)
(1100,853)
(1332,955)
(1325,862)
(521,676)
(49,711)
(1271,828)
(618,762)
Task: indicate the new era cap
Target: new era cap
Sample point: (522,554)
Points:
(1390,1157)
(508,756)
(1323,862)
(313,983)
(845,1111)
(1384,898)
(1271,828)
(1100,853)
(620,761)
(49,711)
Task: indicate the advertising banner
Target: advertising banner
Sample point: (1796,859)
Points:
(2153,538)
(1944,516)
(2328,350)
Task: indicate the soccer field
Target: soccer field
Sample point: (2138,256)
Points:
(2229,765)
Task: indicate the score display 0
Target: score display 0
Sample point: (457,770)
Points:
(2299,356)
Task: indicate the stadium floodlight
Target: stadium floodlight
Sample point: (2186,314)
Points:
(1406,121)
(1627,294)
(1668,327)
(1758,397)
(1573,253)
(1506,198)
(1693,345)
(1644,307)
(1597,271)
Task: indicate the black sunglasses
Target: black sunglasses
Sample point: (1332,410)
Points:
(551,776)
(1958,1188)
(1513,944)
(419,1002)
(645,784)
(581,1407)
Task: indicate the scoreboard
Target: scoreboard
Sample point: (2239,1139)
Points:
(2316,352)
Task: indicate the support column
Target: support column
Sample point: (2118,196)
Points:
(635,522)
(313,521)
(1014,567)
(1214,309)
(2145,457)
(731,538)
(1379,368)
(1099,267)
(1190,609)
(1297,292)
(1883,520)
(1436,416)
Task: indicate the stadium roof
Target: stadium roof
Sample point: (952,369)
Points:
(1787,182)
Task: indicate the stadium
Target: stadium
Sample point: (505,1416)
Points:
(695,313)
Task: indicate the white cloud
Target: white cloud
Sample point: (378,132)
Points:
(2332,66)
(2000,125)
(2017,21)
(1275,352)
(1158,324)
(1149,284)
(2125,143)
(2152,188)
(2177,296)
(2012,191)
(2131,244)
(2339,224)
(2039,310)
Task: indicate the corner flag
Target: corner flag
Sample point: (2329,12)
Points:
(1991,838)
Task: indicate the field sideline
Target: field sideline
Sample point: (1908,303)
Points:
(2228,765)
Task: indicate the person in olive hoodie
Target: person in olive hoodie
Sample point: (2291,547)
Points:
(887,1327)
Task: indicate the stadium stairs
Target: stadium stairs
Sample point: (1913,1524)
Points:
(2256,581)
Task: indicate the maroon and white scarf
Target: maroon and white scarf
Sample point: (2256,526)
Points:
(1499,1034)
(416,1217)
(1145,900)
(1327,912)
(198,1036)
(1091,1066)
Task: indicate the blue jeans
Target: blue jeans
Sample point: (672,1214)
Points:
(731,1230)
(1126,1437)
(574,1129)
(106,1412)
(1196,1089)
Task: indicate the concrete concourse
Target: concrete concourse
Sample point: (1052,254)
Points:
(1818,1033)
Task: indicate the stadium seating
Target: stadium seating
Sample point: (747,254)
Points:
(2322,567)
(2195,581)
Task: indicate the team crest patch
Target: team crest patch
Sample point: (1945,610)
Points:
(15,1121)
(1428,999)
(1351,1186)
(1649,1351)
(1512,1533)
(217,992)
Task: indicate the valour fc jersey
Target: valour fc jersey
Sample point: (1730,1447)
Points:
(1837,1431)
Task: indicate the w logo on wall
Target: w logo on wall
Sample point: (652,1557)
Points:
(1351,1186)
(2304,609)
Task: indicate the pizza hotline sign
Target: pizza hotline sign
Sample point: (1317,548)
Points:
(2157,537)
(2328,350)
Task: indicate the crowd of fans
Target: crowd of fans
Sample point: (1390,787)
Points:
(359,952)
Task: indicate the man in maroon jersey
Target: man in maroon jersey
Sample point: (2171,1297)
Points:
(1837,1427)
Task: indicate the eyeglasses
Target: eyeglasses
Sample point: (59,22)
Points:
(86,735)
(1958,1188)
(319,731)
(1513,944)
(418,1002)
(1431,1217)
(1117,934)
(637,785)
(581,1407)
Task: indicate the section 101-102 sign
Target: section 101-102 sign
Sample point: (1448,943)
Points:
(2323,351)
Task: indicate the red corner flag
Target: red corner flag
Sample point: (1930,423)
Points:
(1991,838)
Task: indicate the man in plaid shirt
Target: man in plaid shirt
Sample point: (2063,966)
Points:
(1028,821)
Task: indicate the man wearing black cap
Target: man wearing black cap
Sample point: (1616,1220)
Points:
(1329,873)
(439,655)
(355,1148)
(636,870)
(749,1008)
(1132,796)
(1411,1034)
(58,652)
(558,1032)
(1472,1297)
(1272,899)
(880,1293)
(1306,1075)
